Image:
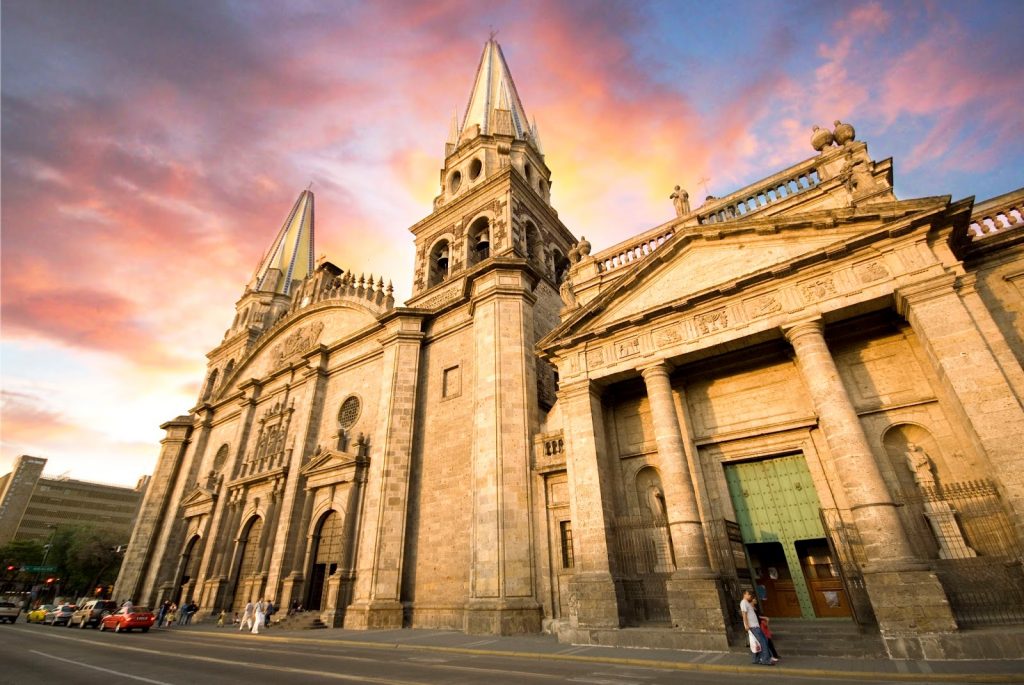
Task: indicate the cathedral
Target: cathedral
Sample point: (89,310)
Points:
(808,388)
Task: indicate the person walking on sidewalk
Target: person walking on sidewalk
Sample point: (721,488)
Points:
(261,616)
(247,616)
(753,626)
(765,630)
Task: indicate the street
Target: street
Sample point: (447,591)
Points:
(45,654)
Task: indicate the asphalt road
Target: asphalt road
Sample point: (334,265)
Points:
(37,654)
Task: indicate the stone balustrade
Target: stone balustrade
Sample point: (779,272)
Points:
(998,215)
(549,451)
(753,198)
(631,251)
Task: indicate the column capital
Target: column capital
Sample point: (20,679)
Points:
(659,369)
(798,329)
(908,295)
(567,391)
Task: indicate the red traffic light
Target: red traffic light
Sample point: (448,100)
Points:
(50,580)
(11,568)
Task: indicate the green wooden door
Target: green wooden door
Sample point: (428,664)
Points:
(775,501)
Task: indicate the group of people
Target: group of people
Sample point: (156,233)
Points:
(255,615)
(170,613)
(760,635)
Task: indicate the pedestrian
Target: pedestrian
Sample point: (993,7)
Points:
(127,606)
(192,609)
(172,615)
(247,616)
(763,622)
(220,618)
(260,609)
(183,614)
(270,612)
(162,612)
(758,643)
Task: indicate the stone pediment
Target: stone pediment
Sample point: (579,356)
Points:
(705,262)
(332,467)
(199,501)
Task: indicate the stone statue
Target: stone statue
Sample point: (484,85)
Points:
(920,466)
(566,292)
(681,200)
(655,501)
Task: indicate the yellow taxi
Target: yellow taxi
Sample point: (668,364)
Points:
(39,613)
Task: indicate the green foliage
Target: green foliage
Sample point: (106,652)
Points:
(22,553)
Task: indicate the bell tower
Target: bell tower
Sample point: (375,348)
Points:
(495,189)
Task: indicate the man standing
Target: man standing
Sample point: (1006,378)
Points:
(753,626)
(247,616)
(261,608)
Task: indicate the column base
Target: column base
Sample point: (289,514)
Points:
(909,603)
(594,601)
(375,615)
(502,616)
(212,597)
(291,588)
(695,604)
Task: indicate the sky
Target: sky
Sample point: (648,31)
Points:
(152,150)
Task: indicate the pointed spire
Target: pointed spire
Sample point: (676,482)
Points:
(453,130)
(494,90)
(290,258)
(536,136)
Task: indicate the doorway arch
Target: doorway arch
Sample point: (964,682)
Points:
(326,557)
(248,559)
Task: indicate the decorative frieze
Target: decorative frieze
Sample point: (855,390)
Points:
(595,358)
(870,272)
(818,289)
(711,322)
(627,348)
(763,305)
(302,340)
(667,336)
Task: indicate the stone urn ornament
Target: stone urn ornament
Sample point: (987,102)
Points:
(821,138)
(844,133)
(584,247)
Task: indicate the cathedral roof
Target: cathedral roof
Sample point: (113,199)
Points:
(290,257)
(494,91)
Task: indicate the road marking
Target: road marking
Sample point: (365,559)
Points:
(99,668)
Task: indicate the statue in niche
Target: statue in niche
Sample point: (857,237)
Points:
(656,502)
(681,200)
(566,292)
(920,465)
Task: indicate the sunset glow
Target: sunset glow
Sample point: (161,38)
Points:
(151,151)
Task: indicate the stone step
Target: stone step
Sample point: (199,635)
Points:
(301,621)
(839,638)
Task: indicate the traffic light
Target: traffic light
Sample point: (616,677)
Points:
(50,580)
(12,568)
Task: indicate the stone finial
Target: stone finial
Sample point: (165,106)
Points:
(584,247)
(844,133)
(821,138)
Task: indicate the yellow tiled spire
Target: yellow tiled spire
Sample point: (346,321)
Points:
(290,258)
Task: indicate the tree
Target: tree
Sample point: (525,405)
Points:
(85,558)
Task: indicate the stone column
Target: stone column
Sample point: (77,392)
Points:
(906,596)
(593,592)
(377,597)
(983,396)
(503,598)
(693,590)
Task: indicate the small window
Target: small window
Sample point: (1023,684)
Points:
(349,412)
(528,172)
(475,167)
(451,385)
(565,529)
(455,181)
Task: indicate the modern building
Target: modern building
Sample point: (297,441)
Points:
(32,507)
(809,387)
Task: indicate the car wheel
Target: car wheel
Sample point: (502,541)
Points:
(82,624)
(102,627)
(117,627)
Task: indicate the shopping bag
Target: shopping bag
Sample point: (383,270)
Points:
(755,644)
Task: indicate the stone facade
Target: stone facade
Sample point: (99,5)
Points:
(808,386)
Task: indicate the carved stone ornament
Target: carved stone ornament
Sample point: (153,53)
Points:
(871,272)
(844,133)
(764,305)
(627,348)
(297,342)
(818,289)
(821,138)
(663,337)
(711,322)
(595,358)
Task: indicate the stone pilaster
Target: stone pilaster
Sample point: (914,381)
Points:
(142,551)
(693,590)
(502,596)
(906,596)
(377,596)
(973,377)
(591,504)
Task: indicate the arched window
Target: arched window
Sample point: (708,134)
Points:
(479,240)
(220,458)
(439,263)
(561,266)
(211,383)
(533,247)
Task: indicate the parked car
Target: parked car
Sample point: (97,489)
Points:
(60,614)
(9,612)
(125,618)
(90,613)
(38,615)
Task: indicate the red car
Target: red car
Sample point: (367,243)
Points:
(126,619)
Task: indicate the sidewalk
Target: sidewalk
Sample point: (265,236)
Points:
(548,647)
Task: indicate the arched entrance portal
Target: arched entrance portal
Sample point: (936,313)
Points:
(249,560)
(326,558)
(188,566)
